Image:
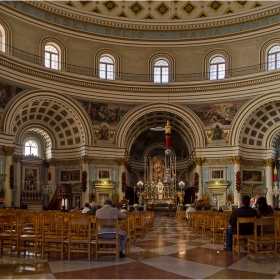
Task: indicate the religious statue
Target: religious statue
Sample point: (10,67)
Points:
(140,199)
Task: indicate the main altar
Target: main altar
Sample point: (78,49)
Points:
(159,189)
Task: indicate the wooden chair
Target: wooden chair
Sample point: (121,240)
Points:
(206,227)
(107,245)
(198,223)
(218,228)
(80,238)
(8,232)
(240,240)
(264,240)
(139,226)
(29,238)
(52,235)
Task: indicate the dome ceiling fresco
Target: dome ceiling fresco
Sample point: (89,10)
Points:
(166,10)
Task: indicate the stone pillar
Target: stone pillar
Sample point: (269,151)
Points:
(269,179)
(8,162)
(85,195)
(18,180)
(236,167)
(198,169)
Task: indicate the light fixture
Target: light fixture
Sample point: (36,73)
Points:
(157,128)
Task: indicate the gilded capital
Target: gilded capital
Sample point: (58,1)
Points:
(86,159)
(199,160)
(269,162)
(237,159)
(53,161)
(17,158)
(9,150)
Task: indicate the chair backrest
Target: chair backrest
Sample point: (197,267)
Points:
(249,222)
(266,226)
(107,226)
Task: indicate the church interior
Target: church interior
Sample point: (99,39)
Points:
(154,104)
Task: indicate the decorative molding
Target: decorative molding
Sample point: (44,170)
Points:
(59,16)
(225,161)
(65,78)
(99,161)
(253,163)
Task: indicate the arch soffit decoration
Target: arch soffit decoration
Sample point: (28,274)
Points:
(39,129)
(63,118)
(258,123)
(189,126)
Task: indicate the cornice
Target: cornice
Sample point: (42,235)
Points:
(235,26)
(120,86)
(135,24)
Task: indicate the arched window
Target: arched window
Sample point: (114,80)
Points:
(161,71)
(31,148)
(51,57)
(106,68)
(273,58)
(217,68)
(2,39)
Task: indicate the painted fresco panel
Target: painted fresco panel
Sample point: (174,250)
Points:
(222,113)
(7,92)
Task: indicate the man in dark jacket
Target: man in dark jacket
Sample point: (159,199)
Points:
(244,211)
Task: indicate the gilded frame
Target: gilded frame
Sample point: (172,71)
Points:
(252,176)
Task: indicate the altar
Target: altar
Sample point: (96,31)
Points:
(162,205)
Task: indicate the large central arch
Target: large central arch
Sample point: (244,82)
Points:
(183,120)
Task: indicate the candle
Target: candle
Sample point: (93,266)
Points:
(114,176)
(1,169)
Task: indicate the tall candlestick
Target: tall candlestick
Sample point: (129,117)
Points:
(50,175)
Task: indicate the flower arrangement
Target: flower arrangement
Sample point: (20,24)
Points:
(238,181)
(196,183)
(84,181)
(12,178)
(123,181)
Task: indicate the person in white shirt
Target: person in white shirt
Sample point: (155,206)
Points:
(190,209)
(86,209)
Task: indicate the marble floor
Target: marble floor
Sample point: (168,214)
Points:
(170,251)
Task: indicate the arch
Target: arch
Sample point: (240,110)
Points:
(60,119)
(113,55)
(61,48)
(258,122)
(162,56)
(6,36)
(217,53)
(132,124)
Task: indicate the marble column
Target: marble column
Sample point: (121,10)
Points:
(18,180)
(236,167)
(8,162)
(198,169)
(269,179)
(85,195)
